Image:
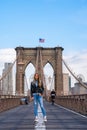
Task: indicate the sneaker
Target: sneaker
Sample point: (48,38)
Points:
(36,118)
(45,118)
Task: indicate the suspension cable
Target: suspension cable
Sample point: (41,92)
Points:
(85,86)
(9,69)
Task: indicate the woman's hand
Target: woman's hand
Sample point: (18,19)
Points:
(31,98)
(40,94)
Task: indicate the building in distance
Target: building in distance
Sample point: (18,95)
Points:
(7,81)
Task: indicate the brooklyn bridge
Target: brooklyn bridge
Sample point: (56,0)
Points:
(69,111)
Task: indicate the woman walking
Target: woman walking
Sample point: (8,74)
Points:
(37,94)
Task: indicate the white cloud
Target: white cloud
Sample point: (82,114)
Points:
(77,62)
(6,55)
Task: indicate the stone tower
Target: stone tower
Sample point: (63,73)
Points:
(29,55)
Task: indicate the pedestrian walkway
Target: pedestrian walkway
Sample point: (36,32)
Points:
(40,125)
(22,118)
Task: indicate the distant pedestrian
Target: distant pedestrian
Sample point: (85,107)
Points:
(53,95)
(26,101)
(37,90)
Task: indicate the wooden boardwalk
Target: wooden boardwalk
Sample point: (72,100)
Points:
(22,118)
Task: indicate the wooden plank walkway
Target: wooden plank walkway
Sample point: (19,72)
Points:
(22,118)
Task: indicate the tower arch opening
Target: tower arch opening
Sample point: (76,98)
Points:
(49,76)
(29,73)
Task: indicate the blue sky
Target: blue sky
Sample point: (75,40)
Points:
(59,22)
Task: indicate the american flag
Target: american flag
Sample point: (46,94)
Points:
(41,40)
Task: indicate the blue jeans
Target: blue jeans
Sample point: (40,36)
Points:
(38,99)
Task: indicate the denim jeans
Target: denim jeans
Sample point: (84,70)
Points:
(38,100)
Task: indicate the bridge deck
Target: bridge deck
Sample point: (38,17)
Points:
(22,118)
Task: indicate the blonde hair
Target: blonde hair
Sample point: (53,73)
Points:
(39,80)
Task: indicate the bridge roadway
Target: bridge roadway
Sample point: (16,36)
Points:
(59,118)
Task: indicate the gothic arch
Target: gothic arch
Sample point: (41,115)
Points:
(26,64)
(50,62)
(49,76)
